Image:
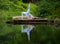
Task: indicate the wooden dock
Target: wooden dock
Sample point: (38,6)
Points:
(31,22)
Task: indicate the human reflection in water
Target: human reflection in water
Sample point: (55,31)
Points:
(27,30)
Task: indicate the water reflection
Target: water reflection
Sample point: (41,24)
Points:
(27,30)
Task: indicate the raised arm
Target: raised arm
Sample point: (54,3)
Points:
(28,8)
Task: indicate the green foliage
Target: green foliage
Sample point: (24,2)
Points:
(4,4)
(48,8)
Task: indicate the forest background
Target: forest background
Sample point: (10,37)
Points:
(41,34)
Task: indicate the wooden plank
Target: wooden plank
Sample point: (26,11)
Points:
(30,22)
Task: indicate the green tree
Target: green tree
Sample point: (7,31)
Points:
(48,8)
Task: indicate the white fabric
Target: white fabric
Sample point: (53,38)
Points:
(28,12)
